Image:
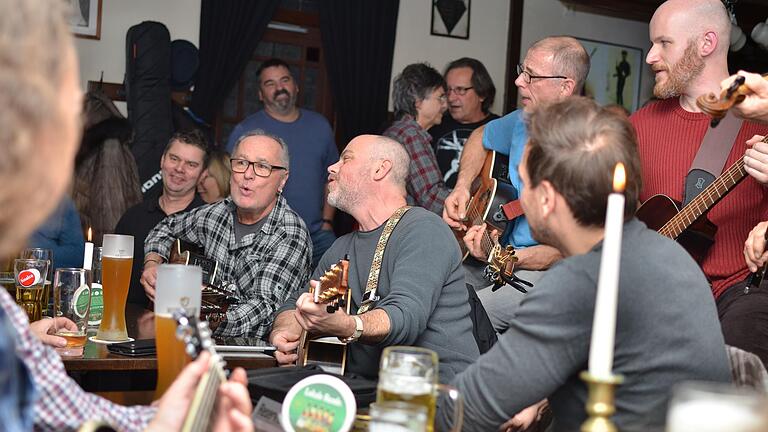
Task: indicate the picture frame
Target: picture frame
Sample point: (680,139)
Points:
(614,74)
(450,18)
(85,20)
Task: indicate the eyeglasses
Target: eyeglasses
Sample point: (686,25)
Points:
(261,169)
(527,77)
(461,91)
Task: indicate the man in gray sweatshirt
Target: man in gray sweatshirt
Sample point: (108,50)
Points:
(667,329)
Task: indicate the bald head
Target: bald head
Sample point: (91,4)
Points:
(569,58)
(696,18)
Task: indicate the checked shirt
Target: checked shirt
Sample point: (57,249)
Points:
(62,405)
(425,184)
(264,266)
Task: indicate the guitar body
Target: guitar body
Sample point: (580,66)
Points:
(658,210)
(490,190)
(328,352)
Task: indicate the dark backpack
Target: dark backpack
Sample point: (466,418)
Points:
(482,329)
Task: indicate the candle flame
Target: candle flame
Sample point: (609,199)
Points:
(619,178)
(89,234)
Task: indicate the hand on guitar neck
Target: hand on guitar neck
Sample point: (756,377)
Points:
(755,251)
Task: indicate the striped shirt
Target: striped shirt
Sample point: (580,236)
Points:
(263,266)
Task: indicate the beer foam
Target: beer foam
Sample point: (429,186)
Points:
(404,384)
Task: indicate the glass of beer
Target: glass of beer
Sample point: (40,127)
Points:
(179,287)
(397,416)
(72,300)
(30,282)
(116,262)
(42,254)
(409,374)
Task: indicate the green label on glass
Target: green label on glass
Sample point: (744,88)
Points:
(317,407)
(81,300)
(97,304)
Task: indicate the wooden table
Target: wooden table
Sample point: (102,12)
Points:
(101,371)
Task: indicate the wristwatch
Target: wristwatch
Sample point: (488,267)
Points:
(358,331)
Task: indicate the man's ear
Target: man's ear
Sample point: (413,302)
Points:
(568,86)
(708,43)
(383,167)
(282,182)
(546,197)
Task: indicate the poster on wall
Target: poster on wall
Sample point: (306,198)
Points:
(450,18)
(614,74)
(85,18)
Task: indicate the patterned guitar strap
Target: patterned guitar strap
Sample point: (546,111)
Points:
(369,296)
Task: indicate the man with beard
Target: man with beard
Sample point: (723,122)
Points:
(470,97)
(567,174)
(554,68)
(261,245)
(420,297)
(310,141)
(183,162)
(689,57)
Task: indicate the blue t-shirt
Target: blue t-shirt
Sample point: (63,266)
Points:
(312,150)
(508,136)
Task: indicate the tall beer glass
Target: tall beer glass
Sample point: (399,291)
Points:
(116,265)
(43,254)
(179,287)
(30,280)
(409,374)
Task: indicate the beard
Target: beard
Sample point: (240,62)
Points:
(283,105)
(542,234)
(680,75)
(344,198)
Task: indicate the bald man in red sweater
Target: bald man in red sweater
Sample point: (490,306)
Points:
(689,57)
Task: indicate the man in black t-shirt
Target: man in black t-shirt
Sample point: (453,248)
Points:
(470,96)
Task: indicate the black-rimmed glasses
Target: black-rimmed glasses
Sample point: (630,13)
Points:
(527,77)
(260,168)
(461,91)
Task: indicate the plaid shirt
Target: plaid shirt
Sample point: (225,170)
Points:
(264,266)
(425,184)
(62,405)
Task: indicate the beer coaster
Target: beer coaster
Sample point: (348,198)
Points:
(320,403)
(105,342)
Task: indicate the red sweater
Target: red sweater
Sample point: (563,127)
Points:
(669,138)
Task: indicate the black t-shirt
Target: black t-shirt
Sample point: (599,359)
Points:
(448,140)
(138,221)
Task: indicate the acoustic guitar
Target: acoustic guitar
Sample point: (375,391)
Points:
(217,295)
(328,352)
(694,232)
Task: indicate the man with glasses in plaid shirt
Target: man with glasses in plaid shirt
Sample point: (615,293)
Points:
(262,246)
(554,68)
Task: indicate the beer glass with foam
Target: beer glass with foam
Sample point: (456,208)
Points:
(72,300)
(409,374)
(42,254)
(30,283)
(179,287)
(116,263)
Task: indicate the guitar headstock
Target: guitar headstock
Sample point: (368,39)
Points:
(196,335)
(501,263)
(332,286)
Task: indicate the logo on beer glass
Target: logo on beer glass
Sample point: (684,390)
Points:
(29,277)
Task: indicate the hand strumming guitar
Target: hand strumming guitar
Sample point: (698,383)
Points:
(149,275)
(755,251)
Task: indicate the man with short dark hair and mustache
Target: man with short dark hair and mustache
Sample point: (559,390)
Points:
(689,53)
(310,141)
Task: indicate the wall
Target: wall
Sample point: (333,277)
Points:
(487,40)
(182,17)
(543,18)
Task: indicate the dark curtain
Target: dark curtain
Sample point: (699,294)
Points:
(229,32)
(358,44)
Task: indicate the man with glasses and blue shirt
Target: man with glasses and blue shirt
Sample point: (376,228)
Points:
(554,68)
(262,246)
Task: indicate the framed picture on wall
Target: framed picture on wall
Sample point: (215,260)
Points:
(450,18)
(85,20)
(614,74)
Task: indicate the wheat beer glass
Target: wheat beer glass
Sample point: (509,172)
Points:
(42,254)
(179,287)
(409,374)
(30,283)
(72,300)
(116,265)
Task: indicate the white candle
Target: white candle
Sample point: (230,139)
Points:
(604,323)
(88,256)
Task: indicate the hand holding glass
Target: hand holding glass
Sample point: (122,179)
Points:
(72,300)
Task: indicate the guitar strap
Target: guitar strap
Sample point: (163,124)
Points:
(711,157)
(369,296)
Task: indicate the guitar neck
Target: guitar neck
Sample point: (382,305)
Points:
(705,200)
(201,411)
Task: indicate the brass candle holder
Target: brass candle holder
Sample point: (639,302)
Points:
(600,405)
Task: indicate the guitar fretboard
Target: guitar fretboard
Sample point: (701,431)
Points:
(201,412)
(705,200)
